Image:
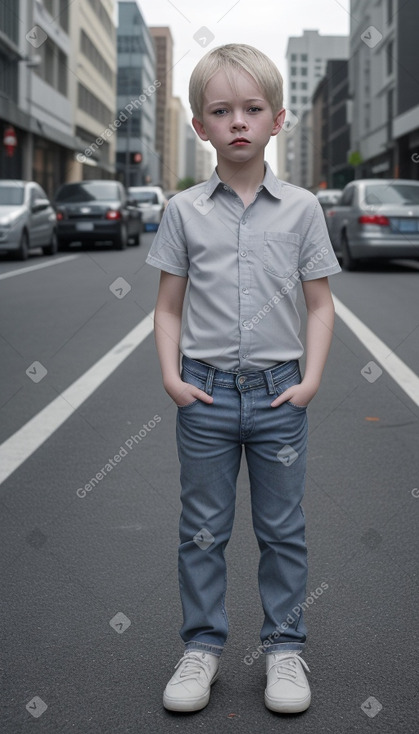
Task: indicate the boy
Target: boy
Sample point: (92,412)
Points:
(242,241)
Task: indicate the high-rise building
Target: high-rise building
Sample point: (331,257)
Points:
(383,84)
(35,97)
(137,87)
(164,63)
(307,56)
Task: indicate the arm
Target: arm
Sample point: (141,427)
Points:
(320,319)
(167,327)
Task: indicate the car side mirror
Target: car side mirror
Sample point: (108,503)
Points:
(39,205)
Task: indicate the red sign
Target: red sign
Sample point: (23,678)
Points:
(10,140)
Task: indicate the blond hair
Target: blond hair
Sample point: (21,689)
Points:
(236,57)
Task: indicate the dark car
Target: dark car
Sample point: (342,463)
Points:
(375,218)
(96,211)
(27,219)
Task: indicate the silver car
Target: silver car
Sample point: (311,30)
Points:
(375,218)
(27,219)
(152,203)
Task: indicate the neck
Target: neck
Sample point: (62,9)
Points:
(244,178)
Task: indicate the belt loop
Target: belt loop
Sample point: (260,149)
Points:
(210,380)
(269,382)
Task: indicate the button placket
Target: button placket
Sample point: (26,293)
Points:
(245,301)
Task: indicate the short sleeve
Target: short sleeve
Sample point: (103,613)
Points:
(317,257)
(169,251)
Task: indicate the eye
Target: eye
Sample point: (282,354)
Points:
(220,111)
(255,109)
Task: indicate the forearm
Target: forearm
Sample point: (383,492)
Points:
(167,328)
(318,339)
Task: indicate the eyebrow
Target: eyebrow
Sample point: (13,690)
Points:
(247,101)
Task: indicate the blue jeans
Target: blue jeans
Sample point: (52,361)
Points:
(210,439)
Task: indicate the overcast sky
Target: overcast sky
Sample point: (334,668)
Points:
(266,24)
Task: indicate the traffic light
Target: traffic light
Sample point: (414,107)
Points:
(135,159)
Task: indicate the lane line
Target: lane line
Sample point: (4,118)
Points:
(30,268)
(396,368)
(22,444)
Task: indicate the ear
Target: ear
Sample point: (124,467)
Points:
(278,121)
(199,128)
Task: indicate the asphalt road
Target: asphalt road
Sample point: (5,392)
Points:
(89,598)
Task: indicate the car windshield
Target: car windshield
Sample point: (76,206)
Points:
(85,191)
(11,195)
(393,193)
(145,197)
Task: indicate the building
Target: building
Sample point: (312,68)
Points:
(331,129)
(384,89)
(93,87)
(35,100)
(307,56)
(137,85)
(164,57)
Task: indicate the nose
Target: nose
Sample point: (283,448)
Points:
(239,121)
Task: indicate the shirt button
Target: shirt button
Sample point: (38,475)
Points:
(225,188)
(245,291)
(243,253)
(245,356)
(246,324)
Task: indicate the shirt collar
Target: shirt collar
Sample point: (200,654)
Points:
(270,182)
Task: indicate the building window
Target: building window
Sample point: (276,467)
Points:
(293,70)
(293,57)
(293,85)
(62,73)
(304,100)
(390,48)
(304,85)
(390,114)
(303,71)
(304,57)
(293,99)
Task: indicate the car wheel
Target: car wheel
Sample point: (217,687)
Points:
(52,248)
(136,239)
(348,262)
(62,245)
(121,240)
(23,251)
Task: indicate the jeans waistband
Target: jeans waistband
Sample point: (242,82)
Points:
(242,380)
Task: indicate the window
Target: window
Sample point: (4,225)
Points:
(304,100)
(293,57)
(304,57)
(293,70)
(347,196)
(293,85)
(293,99)
(303,71)
(304,85)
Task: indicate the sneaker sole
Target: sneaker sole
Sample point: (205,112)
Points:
(184,705)
(287,707)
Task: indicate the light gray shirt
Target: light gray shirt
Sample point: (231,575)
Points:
(244,268)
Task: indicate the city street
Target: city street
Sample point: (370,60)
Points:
(89,507)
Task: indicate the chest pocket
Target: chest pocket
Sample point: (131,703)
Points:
(281,253)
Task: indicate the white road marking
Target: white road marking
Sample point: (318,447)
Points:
(396,368)
(30,268)
(22,444)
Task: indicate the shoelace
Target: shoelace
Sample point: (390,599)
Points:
(193,666)
(286,666)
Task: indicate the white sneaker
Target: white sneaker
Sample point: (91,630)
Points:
(287,690)
(190,687)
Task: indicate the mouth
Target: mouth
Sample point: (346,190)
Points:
(240,141)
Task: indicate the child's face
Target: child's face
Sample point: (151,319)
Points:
(236,118)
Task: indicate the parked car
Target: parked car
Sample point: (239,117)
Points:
(328,197)
(375,218)
(27,219)
(96,211)
(151,202)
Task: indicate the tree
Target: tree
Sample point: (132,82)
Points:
(185,183)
